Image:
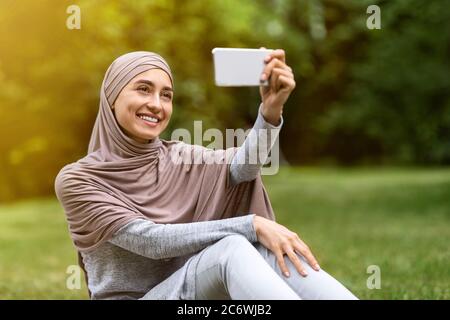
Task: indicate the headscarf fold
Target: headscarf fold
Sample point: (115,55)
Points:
(121,180)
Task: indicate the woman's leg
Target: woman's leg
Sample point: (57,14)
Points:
(318,285)
(233,268)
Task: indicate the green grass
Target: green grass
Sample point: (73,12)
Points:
(397,219)
(35,251)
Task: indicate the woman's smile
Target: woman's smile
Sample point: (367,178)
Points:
(148,120)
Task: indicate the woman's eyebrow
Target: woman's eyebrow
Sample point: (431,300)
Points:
(151,84)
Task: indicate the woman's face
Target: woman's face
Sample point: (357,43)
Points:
(144,106)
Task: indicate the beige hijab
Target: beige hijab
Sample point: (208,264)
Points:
(121,180)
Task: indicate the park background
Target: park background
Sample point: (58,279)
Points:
(365,144)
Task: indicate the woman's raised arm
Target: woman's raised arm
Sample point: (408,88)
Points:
(251,156)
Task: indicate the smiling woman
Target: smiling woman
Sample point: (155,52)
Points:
(147,227)
(144,106)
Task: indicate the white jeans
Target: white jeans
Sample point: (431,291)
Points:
(234,268)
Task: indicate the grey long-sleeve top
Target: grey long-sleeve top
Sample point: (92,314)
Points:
(142,254)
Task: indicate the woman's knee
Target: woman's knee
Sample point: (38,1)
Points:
(234,242)
(233,247)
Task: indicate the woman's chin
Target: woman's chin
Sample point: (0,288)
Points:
(147,133)
(147,138)
(143,137)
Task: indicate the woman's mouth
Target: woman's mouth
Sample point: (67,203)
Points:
(148,120)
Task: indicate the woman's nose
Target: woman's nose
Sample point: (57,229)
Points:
(155,103)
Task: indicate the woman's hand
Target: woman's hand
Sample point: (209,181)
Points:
(281,241)
(281,84)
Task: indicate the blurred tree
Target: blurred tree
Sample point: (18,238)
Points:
(397,104)
(361,94)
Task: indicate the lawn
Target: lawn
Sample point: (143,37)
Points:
(395,218)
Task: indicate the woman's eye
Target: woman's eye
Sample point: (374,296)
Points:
(168,95)
(145,89)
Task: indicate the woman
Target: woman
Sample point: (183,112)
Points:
(149,226)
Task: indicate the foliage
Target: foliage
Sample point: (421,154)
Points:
(397,104)
(361,95)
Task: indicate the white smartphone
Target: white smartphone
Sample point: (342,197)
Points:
(236,67)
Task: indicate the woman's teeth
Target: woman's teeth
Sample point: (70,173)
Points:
(151,119)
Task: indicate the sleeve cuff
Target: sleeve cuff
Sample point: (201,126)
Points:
(261,123)
(252,236)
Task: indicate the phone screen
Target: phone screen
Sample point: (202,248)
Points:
(239,66)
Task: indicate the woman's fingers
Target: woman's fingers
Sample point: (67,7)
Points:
(296,261)
(267,71)
(281,241)
(280,78)
(272,71)
(278,54)
(303,249)
(281,263)
(283,71)
(285,83)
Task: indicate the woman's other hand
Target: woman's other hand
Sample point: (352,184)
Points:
(281,241)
